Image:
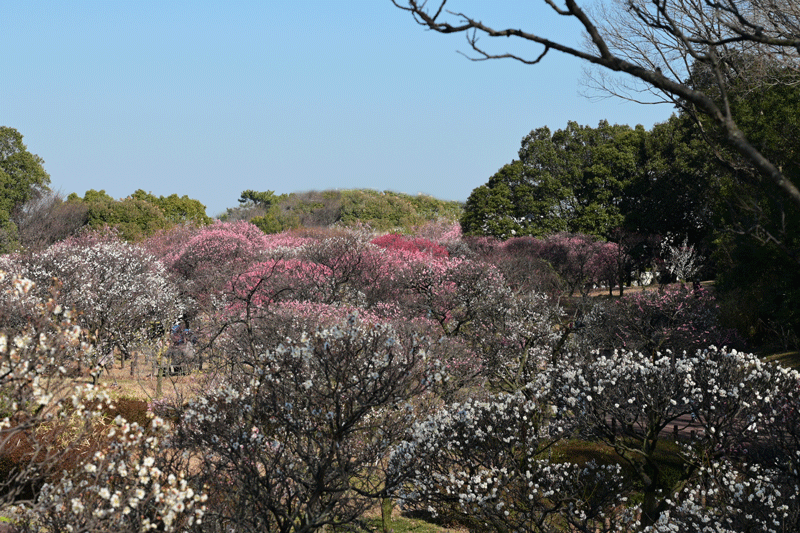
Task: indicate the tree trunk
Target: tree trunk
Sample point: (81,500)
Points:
(386,514)
(159,371)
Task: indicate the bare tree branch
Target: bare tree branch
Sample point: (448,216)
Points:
(655,44)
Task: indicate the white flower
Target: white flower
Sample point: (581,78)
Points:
(77,506)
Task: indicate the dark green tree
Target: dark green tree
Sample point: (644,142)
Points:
(176,209)
(135,219)
(758,227)
(22,178)
(264,199)
(571,180)
(676,191)
(266,208)
(498,208)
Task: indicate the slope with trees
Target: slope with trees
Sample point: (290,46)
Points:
(380,210)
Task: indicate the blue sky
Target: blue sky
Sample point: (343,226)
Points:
(212,98)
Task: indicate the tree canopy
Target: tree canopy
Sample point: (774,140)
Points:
(22,177)
(142,214)
(570,180)
(176,209)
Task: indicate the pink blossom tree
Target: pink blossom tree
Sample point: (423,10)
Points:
(361,272)
(508,334)
(522,262)
(266,282)
(573,257)
(395,241)
(207,258)
(673,318)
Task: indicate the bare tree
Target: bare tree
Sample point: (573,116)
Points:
(47,219)
(655,45)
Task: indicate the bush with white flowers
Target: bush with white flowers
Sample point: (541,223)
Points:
(116,290)
(296,436)
(65,468)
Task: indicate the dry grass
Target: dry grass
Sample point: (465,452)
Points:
(143,384)
(708,285)
(787,359)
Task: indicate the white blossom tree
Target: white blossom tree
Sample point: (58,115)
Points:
(64,467)
(737,418)
(630,401)
(487,463)
(296,436)
(117,291)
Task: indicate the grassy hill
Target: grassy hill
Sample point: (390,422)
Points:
(381,210)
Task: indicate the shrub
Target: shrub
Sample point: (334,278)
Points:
(412,245)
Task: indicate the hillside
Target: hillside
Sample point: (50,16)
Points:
(380,210)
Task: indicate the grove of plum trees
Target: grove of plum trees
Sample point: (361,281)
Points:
(343,370)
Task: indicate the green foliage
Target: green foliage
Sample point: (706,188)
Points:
(263,199)
(142,214)
(9,235)
(177,209)
(22,173)
(571,180)
(677,190)
(22,178)
(391,211)
(276,220)
(93,196)
(757,246)
(500,207)
(382,211)
(759,291)
(135,219)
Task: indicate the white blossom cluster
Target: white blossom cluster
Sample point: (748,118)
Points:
(724,395)
(84,476)
(529,340)
(489,462)
(682,260)
(129,485)
(296,437)
(116,289)
(730,497)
